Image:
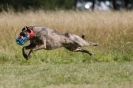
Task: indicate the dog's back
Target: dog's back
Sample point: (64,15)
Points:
(77,39)
(55,38)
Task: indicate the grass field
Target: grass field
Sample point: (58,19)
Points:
(110,67)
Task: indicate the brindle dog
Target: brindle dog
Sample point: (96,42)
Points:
(48,39)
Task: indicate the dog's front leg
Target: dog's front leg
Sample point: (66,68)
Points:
(34,46)
(27,50)
(26,53)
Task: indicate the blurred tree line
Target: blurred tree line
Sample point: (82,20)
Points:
(20,5)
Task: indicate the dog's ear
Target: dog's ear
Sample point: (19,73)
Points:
(24,29)
(28,29)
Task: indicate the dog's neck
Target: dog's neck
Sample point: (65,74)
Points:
(31,33)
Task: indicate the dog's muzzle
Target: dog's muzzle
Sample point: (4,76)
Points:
(22,40)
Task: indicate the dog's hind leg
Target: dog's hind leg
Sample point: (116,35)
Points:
(79,49)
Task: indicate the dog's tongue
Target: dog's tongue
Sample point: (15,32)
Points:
(32,35)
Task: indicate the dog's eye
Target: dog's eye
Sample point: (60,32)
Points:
(22,34)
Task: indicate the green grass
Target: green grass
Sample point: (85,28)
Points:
(93,75)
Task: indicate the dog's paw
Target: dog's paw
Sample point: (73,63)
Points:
(26,54)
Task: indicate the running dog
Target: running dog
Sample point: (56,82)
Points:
(49,39)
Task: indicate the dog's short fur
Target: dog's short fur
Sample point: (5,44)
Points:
(49,39)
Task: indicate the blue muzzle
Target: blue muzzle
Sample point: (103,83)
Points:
(22,41)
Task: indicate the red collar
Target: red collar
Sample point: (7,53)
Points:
(32,34)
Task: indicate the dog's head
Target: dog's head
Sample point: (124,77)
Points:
(26,34)
(23,36)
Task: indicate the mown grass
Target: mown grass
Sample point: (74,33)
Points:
(94,75)
(64,69)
